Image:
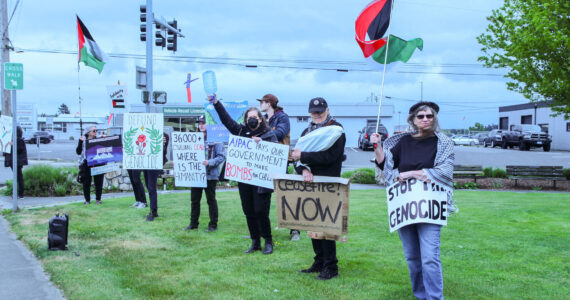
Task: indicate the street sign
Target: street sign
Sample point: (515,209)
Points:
(13,76)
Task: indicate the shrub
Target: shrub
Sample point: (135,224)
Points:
(362,175)
(488,172)
(466,185)
(566,173)
(45,181)
(499,173)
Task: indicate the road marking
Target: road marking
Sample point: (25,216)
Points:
(353,149)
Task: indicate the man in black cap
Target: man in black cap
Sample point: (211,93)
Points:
(324,163)
(214,157)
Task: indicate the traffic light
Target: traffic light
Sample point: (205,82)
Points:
(143,22)
(172,37)
(160,39)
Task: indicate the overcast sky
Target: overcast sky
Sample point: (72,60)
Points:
(299,34)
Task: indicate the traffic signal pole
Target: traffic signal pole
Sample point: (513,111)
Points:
(149,42)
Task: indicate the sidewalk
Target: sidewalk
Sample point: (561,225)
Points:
(21,274)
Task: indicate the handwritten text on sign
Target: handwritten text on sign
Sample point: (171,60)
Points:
(252,163)
(414,202)
(320,206)
(142,141)
(188,150)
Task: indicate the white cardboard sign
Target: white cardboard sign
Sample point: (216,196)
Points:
(142,141)
(416,201)
(188,151)
(253,163)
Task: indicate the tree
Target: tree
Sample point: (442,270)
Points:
(63,109)
(531,38)
(477,127)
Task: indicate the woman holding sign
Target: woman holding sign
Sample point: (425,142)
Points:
(86,176)
(426,155)
(255,200)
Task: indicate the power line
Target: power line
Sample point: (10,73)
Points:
(253,63)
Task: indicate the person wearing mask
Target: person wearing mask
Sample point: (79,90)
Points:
(278,121)
(98,179)
(21,160)
(255,201)
(323,163)
(427,155)
(150,178)
(214,157)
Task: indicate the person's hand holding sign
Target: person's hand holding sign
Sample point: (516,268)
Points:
(296,154)
(376,139)
(205,163)
(417,174)
(307,175)
(256,139)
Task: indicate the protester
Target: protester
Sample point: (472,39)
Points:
(278,121)
(85,170)
(150,178)
(323,163)
(255,201)
(214,157)
(21,160)
(138,188)
(427,155)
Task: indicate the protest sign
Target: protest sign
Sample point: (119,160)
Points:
(104,150)
(217,132)
(189,153)
(254,163)
(117,94)
(107,168)
(416,201)
(320,206)
(142,141)
(5,133)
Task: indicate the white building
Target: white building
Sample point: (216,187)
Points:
(67,126)
(537,114)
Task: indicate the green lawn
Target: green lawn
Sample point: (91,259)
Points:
(501,245)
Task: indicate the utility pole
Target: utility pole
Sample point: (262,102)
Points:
(6,102)
(149,37)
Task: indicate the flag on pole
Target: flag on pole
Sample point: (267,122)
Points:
(398,50)
(89,52)
(373,23)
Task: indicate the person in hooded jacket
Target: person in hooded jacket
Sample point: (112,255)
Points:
(22,160)
(255,200)
(98,179)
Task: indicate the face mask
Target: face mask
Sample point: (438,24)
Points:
(252,123)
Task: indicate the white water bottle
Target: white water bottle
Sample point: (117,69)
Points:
(209,80)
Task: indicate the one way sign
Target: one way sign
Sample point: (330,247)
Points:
(118,94)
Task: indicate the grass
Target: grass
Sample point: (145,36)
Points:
(501,245)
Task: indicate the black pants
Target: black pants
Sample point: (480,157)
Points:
(150,177)
(196,197)
(138,188)
(20,180)
(98,179)
(325,254)
(256,209)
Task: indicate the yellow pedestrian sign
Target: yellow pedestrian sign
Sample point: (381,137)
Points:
(13,76)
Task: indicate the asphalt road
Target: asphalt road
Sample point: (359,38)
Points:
(63,153)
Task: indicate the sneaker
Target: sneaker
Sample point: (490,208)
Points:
(136,204)
(190,227)
(86,203)
(141,205)
(211,229)
(327,274)
(295,235)
(150,217)
(314,268)
(98,202)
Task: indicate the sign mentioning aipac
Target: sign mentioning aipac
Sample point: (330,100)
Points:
(414,202)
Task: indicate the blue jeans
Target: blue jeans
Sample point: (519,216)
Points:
(421,248)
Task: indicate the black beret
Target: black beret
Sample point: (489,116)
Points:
(426,103)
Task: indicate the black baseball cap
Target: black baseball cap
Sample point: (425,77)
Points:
(201,119)
(317,105)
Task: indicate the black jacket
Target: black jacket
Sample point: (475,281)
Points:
(22,156)
(327,162)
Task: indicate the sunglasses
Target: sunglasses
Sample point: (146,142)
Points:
(94,130)
(421,117)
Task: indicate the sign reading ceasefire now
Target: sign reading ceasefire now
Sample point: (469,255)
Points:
(320,206)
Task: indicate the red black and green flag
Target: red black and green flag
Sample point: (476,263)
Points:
(370,27)
(89,52)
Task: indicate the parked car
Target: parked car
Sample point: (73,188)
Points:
(464,140)
(481,137)
(526,136)
(494,138)
(366,132)
(44,137)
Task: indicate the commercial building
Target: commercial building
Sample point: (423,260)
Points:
(538,114)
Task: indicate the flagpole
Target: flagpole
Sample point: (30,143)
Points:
(384,72)
(79,93)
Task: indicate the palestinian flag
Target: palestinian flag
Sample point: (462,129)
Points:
(373,22)
(89,52)
(398,50)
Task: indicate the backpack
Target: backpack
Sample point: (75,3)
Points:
(57,232)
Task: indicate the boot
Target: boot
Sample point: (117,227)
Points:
(151,215)
(268,247)
(255,246)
